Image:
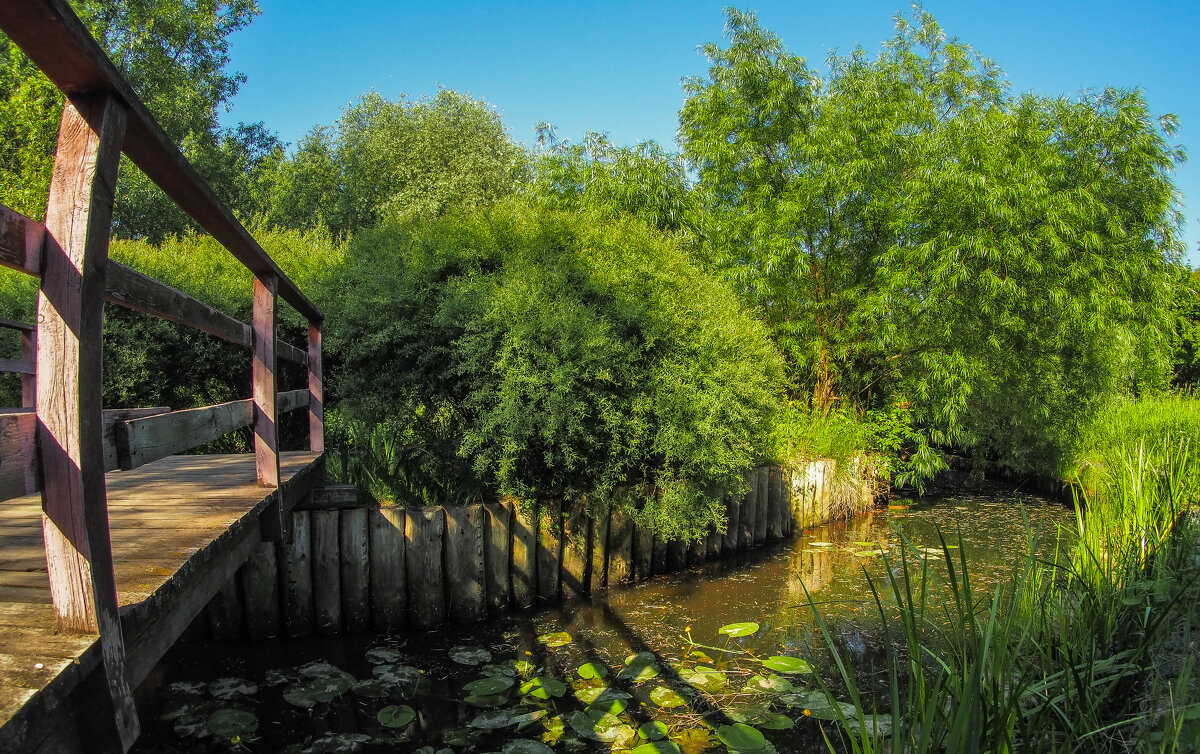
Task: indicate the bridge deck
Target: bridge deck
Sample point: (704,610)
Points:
(180,528)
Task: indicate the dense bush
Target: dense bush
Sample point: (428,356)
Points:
(560,355)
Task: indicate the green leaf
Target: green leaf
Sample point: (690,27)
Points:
(489,686)
(742,738)
(658,747)
(543,687)
(395,715)
(666,697)
(781,664)
(231,724)
(556,639)
(465,655)
(739,629)
(654,730)
(592,670)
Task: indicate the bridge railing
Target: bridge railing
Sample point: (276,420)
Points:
(66,443)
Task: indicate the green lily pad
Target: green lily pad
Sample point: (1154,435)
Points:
(524,668)
(487,700)
(494,719)
(228,689)
(706,678)
(340,743)
(371,688)
(821,544)
(654,730)
(556,639)
(299,695)
(489,685)
(526,746)
(400,675)
(543,687)
(596,694)
(666,698)
(775,721)
(739,629)
(231,724)
(781,664)
(769,684)
(592,670)
(742,738)
(608,706)
(868,553)
(464,655)
(396,716)
(658,747)
(383,656)
(639,667)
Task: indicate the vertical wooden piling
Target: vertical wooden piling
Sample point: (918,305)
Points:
(774,504)
(620,547)
(677,555)
(549,552)
(355,566)
(576,552)
(599,571)
(658,561)
(389,591)
(643,552)
(760,506)
(733,521)
(464,563)
(424,529)
(498,543)
(524,557)
(789,518)
(749,512)
(697,551)
(713,543)
(260,587)
(327,572)
(225,612)
(296,561)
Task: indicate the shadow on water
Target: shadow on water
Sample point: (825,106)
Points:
(673,622)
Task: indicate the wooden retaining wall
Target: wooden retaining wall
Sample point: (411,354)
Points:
(350,568)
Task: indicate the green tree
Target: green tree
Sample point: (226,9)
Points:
(914,234)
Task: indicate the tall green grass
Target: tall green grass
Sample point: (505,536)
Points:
(1076,652)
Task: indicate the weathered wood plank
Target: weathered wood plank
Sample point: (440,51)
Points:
(12,324)
(697,551)
(598,573)
(424,529)
(316,390)
(789,517)
(143,440)
(356,570)
(677,555)
(620,547)
(288,352)
(327,572)
(576,553)
(388,589)
(113,421)
(733,520)
(643,552)
(266,409)
(658,560)
(760,507)
(29,381)
(70,438)
(59,44)
(18,454)
(774,504)
(224,612)
(296,557)
(749,506)
(127,287)
(498,545)
(713,543)
(291,400)
(524,557)
(21,240)
(18,366)
(464,563)
(260,588)
(331,497)
(549,552)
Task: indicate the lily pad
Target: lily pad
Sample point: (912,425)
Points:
(769,684)
(781,664)
(494,719)
(299,695)
(231,724)
(465,655)
(383,656)
(592,670)
(639,667)
(400,675)
(228,689)
(658,747)
(821,544)
(666,697)
(340,743)
(596,694)
(608,706)
(556,639)
(775,721)
(371,688)
(487,700)
(653,731)
(526,746)
(742,738)
(543,687)
(489,685)
(396,716)
(739,629)
(706,678)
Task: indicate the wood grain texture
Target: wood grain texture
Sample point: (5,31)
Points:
(260,588)
(296,560)
(127,287)
(423,530)
(576,553)
(733,520)
(356,570)
(774,503)
(327,572)
(291,401)
(18,366)
(389,591)
(29,381)
(760,506)
(620,547)
(524,557)
(18,455)
(21,240)
(749,513)
(263,378)
(598,573)
(143,440)
(464,563)
(549,552)
(316,390)
(498,556)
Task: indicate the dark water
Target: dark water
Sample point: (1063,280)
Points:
(677,619)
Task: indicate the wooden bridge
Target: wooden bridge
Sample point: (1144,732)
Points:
(110,542)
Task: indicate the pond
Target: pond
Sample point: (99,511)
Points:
(720,658)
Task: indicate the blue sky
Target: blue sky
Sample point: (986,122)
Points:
(616,66)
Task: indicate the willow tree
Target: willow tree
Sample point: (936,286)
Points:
(915,233)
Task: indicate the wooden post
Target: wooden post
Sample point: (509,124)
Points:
(355,570)
(658,559)
(260,587)
(789,515)
(464,563)
(643,552)
(29,381)
(68,386)
(598,573)
(298,619)
(713,543)
(760,507)
(549,552)
(774,503)
(327,572)
(733,519)
(388,591)
(524,558)
(749,513)
(697,551)
(316,390)
(620,547)
(576,552)
(266,417)
(225,612)
(497,543)
(424,529)
(677,555)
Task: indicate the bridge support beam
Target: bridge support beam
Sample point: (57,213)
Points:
(68,391)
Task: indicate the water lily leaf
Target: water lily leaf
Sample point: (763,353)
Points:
(592,670)
(465,655)
(876,725)
(231,724)
(188,687)
(524,668)
(487,700)
(556,639)
(400,675)
(543,687)
(228,689)
(739,629)
(654,730)
(319,669)
(383,656)
(396,715)
(526,746)
(639,667)
(868,553)
(461,736)
(489,685)
(781,664)
(276,677)
(658,747)
(748,713)
(299,695)
(608,706)
(596,694)
(699,655)
(775,721)
(192,723)
(706,678)
(494,719)
(606,728)
(326,688)
(742,738)
(667,698)
(371,688)
(529,718)
(502,670)
(340,743)
(821,544)
(819,705)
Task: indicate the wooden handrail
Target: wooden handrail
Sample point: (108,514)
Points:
(54,38)
(14,325)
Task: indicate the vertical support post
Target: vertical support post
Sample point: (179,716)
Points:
(316,390)
(29,381)
(266,434)
(68,386)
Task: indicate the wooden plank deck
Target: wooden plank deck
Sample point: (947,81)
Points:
(180,528)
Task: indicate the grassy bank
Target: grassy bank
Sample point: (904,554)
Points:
(1090,651)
